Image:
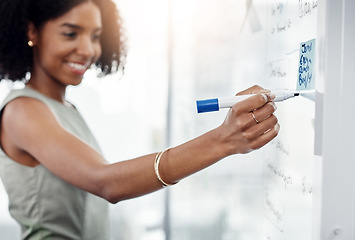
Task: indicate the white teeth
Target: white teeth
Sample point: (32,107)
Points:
(77,66)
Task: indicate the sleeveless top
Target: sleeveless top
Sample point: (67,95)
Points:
(45,206)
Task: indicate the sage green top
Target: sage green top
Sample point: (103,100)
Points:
(45,206)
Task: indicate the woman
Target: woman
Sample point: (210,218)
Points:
(56,178)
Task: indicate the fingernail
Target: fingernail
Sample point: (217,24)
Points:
(265,91)
(271,96)
(273,105)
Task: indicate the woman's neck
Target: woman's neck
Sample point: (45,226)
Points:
(52,90)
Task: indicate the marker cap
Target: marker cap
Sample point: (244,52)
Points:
(208,105)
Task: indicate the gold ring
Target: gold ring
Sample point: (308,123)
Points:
(256,120)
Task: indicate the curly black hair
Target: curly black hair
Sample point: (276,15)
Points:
(16,58)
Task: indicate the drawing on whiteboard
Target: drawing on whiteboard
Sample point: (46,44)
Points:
(274,212)
(281,22)
(287,179)
(306,7)
(306,186)
(278,72)
(277,8)
(281,26)
(281,147)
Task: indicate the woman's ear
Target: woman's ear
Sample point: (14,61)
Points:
(31,34)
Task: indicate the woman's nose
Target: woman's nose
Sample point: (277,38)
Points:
(86,47)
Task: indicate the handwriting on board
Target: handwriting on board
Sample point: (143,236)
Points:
(278,72)
(279,173)
(305,65)
(274,212)
(281,22)
(306,7)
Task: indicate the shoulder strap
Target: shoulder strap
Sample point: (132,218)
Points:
(25,92)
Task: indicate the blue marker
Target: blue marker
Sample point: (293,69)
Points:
(215,104)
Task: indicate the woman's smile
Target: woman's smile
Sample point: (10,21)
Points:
(78,68)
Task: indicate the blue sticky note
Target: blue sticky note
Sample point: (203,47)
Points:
(306,77)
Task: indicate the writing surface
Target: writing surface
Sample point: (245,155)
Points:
(267,194)
(288,166)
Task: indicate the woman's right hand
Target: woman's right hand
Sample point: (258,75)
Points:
(241,132)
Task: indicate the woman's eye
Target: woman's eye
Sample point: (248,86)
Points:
(70,34)
(96,37)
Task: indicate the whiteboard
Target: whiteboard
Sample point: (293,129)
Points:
(288,166)
(300,186)
(267,194)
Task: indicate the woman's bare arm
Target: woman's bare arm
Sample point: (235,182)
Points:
(29,126)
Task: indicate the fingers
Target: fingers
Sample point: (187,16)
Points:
(249,115)
(253,90)
(262,133)
(254,102)
(264,112)
(262,96)
(261,128)
(251,123)
(265,137)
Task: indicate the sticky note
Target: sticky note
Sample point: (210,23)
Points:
(305,80)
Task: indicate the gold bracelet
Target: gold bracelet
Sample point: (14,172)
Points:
(156,168)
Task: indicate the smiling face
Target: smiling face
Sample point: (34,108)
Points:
(65,47)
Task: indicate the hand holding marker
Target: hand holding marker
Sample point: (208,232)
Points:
(215,104)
